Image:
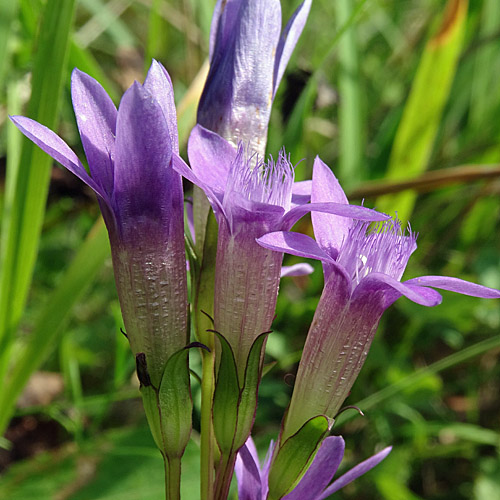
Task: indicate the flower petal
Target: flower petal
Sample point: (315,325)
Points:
(236,101)
(266,466)
(330,230)
(223,20)
(96,118)
(143,156)
(302,269)
(355,472)
(456,285)
(54,146)
(288,40)
(350,211)
(293,243)
(159,85)
(180,167)
(301,193)
(321,471)
(393,289)
(210,157)
(248,473)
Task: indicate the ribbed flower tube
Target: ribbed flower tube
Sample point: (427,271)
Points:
(363,265)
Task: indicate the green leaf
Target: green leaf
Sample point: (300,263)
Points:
(422,114)
(150,402)
(226,398)
(24,210)
(7,18)
(43,339)
(176,406)
(351,133)
(248,396)
(295,455)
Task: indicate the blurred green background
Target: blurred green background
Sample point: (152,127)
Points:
(401,99)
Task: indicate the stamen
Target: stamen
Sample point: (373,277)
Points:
(377,248)
(265,182)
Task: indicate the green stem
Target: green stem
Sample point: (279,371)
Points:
(224,476)
(172,478)
(207,434)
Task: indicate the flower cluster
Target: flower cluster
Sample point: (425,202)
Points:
(136,172)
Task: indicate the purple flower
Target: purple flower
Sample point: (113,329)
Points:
(129,153)
(250,198)
(314,485)
(363,266)
(248,56)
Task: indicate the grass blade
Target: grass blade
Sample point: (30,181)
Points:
(7,17)
(392,390)
(24,209)
(76,280)
(351,134)
(422,114)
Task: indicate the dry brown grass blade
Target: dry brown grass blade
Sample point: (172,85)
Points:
(429,181)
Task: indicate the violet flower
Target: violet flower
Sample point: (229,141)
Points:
(250,198)
(129,153)
(363,267)
(314,485)
(248,56)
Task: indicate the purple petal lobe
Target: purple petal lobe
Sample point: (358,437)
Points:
(393,289)
(248,474)
(351,211)
(456,285)
(302,269)
(288,40)
(355,472)
(159,85)
(266,467)
(180,167)
(54,146)
(293,243)
(223,23)
(330,230)
(321,471)
(301,193)
(143,154)
(96,118)
(237,97)
(210,157)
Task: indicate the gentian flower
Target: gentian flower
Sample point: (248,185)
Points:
(315,483)
(129,153)
(248,55)
(363,266)
(250,198)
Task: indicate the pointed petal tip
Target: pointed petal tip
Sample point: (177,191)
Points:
(456,285)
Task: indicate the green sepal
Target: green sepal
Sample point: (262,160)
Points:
(226,398)
(175,403)
(247,404)
(150,402)
(295,455)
